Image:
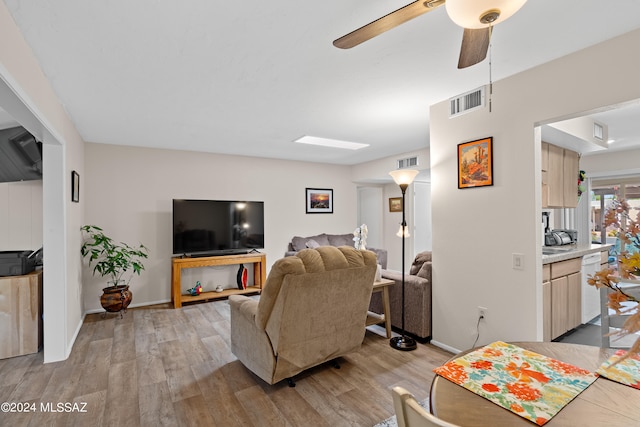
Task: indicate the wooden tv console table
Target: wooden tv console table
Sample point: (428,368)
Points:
(259,261)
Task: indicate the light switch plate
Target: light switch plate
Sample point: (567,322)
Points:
(518,261)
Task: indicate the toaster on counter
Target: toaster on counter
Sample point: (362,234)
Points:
(560,237)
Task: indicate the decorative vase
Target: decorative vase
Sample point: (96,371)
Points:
(241,277)
(116,298)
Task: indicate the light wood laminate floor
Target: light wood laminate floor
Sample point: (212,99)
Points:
(159,366)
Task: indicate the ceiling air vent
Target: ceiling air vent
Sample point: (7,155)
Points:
(408,162)
(598,131)
(467,102)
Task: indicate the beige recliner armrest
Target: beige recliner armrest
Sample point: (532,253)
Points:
(249,342)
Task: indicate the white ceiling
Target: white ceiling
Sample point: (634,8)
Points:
(248,78)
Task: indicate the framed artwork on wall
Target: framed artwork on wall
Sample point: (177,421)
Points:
(75,187)
(475,163)
(319,200)
(395,204)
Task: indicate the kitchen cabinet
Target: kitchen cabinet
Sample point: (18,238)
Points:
(560,169)
(574,300)
(561,295)
(20,314)
(544,160)
(546,302)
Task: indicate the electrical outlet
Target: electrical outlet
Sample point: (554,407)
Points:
(482,312)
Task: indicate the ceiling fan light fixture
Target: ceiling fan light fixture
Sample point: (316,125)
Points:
(474,14)
(490,16)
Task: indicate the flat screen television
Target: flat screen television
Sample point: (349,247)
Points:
(217,227)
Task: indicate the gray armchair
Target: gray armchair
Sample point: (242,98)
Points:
(417,298)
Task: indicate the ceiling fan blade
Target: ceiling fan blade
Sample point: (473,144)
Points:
(387,22)
(475,44)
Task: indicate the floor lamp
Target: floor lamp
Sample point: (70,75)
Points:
(403,177)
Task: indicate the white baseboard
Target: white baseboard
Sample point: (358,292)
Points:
(75,336)
(445,347)
(144,304)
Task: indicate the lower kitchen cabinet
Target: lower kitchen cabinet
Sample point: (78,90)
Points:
(574,302)
(561,291)
(546,302)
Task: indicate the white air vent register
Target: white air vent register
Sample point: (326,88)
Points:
(408,162)
(467,102)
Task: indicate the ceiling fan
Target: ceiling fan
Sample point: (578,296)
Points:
(477,17)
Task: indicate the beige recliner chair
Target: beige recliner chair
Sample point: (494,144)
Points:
(313,309)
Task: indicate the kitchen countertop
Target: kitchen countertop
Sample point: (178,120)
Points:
(574,251)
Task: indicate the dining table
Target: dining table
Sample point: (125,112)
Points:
(603,403)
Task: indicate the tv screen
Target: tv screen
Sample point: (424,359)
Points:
(203,227)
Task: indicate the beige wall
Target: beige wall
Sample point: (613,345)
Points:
(378,170)
(611,164)
(377,173)
(476,231)
(128,191)
(20,215)
(26,94)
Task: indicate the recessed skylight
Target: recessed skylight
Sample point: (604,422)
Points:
(334,143)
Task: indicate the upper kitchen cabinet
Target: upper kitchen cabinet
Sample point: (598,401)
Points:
(571,171)
(560,169)
(562,141)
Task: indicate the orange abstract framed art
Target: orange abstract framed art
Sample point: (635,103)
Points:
(475,163)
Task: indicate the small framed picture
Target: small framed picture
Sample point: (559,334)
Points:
(395,204)
(319,200)
(75,187)
(475,163)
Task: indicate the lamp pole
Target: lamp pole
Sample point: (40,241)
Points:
(403,178)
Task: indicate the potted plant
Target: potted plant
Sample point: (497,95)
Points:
(112,260)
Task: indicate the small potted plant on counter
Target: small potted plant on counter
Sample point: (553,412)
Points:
(112,260)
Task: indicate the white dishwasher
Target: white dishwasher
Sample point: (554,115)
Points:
(590,295)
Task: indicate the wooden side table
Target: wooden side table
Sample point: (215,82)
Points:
(374,318)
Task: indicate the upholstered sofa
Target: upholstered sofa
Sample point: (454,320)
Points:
(298,243)
(417,298)
(312,309)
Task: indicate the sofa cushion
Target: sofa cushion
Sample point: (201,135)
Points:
(299,243)
(312,244)
(420,259)
(340,239)
(425,271)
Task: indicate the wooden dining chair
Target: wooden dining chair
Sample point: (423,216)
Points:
(409,413)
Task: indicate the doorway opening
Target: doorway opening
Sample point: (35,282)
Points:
(603,192)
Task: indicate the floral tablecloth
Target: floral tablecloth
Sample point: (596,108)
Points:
(534,386)
(626,372)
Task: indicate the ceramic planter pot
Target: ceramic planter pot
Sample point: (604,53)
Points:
(116,298)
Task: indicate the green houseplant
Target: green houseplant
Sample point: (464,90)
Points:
(112,260)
